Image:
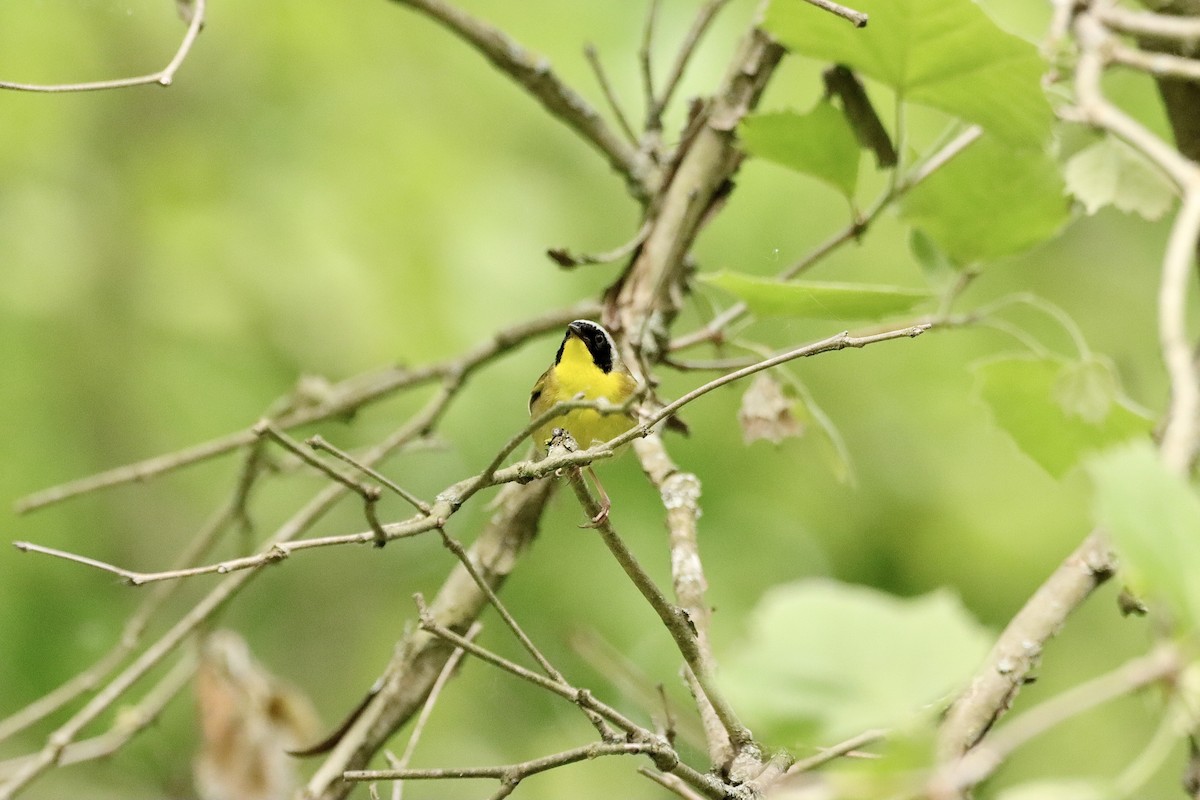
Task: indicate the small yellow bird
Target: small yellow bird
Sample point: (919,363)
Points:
(586,367)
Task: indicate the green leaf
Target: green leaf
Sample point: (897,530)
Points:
(1057,410)
(934,264)
(828,660)
(1111,172)
(991,200)
(1064,789)
(819,143)
(816,299)
(942,53)
(1153,517)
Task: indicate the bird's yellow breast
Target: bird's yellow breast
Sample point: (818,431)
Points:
(577,376)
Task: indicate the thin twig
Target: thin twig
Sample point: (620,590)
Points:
(580,697)
(838,750)
(645,62)
(435,692)
(319,443)
(307,516)
(163,77)
(855,18)
(1094,109)
(264,428)
(1157,64)
(857,227)
(508,773)
(453,497)
(671,783)
(566,259)
(666,759)
(704,18)
(135,625)
(534,74)
(129,723)
(343,398)
(593,58)
(674,618)
(454,546)
(1145,23)
(1181,434)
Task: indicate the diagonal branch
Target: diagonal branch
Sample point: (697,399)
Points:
(340,399)
(680,493)
(1019,647)
(534,74)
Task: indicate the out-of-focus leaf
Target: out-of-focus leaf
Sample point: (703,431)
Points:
(943,53)
(991,200)
(1056,790)
(248,720)
(1057,410)
(767,413)
(829,660)
(1086,389)
(933,262)
(1153,516)
(819,143)
(1111,172)
(816,299)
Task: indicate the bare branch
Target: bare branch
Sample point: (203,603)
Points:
(838,750)
(704,18)
(342,398)
(453,497)
(593,59)
(461,554)
(955,778)
(855,18)
(675,619)
(566,259)
(1157,64)
(1019,647)
(534,74)
(510,774)
(1145,23)
(129,723)
(1094,109)
(420,656)
(645,62)
(435,692)
(163,77)
(680,493)
(319,443)
(1181,436)
(136,624)
(184,627)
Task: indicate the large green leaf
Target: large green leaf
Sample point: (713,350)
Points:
(819,143)
(816,299)
(1111,172)
(1057,410)
(943,53)
(1153,517)
(829,659)
(990,200)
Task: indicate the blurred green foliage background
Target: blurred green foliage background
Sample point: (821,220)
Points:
(330,188)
